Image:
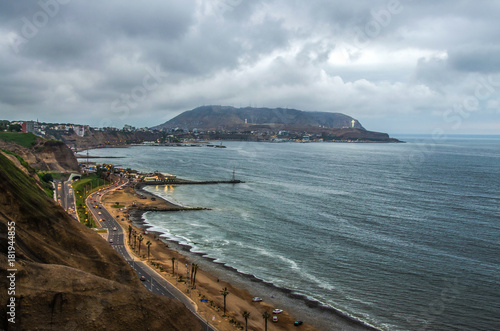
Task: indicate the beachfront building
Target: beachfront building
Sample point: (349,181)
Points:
(169,177)
(158,177)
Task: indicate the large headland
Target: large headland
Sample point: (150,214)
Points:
(208,123)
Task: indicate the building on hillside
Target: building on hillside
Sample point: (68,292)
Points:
(79,130)
(29,126)
(129,128)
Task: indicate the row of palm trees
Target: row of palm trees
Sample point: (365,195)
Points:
(194,270)
(265,316)
(246,314)
(137,238)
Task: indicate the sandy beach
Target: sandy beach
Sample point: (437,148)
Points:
(208,286)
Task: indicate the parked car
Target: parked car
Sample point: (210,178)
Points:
(277,311)
(275,319)
(114,229)
(102,219)
(257,299)
(110,240)
(297,323)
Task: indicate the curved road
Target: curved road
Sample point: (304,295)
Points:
(154,282)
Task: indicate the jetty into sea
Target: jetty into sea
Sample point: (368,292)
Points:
(178,181)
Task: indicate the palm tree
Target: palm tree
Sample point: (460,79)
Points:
(135,237)
(140,239)
(173,266)
(195,268)
(265,316)
(129,232)
(148,243)
(224,292)
(246,315)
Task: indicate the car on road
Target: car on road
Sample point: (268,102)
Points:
(143,278)
(257,299)
(277,311)
(297,323)
(153,199)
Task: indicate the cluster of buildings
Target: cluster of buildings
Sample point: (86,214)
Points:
(42,129)
(92,167)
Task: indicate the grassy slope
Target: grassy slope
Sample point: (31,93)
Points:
(24,139)
(21,160)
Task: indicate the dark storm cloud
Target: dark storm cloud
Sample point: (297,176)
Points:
(374,60)
(476,59)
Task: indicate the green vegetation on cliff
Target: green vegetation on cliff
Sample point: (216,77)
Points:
(21,160)
(24,139)
(28,193)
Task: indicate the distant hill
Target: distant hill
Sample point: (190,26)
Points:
(230,118)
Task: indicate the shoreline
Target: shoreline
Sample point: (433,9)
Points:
(245,280)
(208,285)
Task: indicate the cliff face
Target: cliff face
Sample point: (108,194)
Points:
(45,155)
(68,277)
(113,138)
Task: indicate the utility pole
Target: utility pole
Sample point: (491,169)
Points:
(177,268)
(234,169)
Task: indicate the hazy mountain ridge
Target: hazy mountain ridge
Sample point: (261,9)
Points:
(230,118)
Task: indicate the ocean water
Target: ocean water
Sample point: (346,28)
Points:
(399,236)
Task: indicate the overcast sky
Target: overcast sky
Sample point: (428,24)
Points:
(396,66)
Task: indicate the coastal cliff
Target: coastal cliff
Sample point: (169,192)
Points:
(41,154)
(95,138)
(67,277)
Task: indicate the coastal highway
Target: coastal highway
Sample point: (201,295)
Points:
(154,282)
(64,196)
